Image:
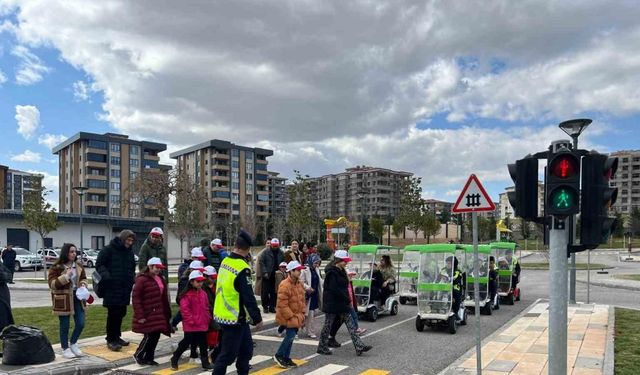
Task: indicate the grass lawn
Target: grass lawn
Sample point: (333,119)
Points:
(627,341)
(635,277)
(42,318)
(545,266)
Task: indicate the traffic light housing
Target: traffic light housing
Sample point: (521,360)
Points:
(562,184)
(524,199)
(597,197)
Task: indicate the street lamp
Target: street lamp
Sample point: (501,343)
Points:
(80,190)
(574,128)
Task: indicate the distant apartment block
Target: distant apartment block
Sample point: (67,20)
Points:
(362,190)
(627,180)
(278,195)
(235,177)
(438,206)
(108,164)
(13,186)
(506,210)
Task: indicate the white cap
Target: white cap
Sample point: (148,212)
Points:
(275,242)
(351,272)
(283,264)
(157,231)
(196,275)
(210,271)
(216,241)
(155,261)
(294,265)
(196,265)
(196,252)
(342,254)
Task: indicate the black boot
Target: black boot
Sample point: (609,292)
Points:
(206,364)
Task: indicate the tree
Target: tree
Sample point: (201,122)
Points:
(279,227)
(249,222)
(430,226)
(38,215)
(153,186)
(411,204)
(376,228)
(619,230)
(301,206)
(185,217)
(397,227)
(634,221)
(445,216)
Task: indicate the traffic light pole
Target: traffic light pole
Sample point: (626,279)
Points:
(558,241)
(573,223)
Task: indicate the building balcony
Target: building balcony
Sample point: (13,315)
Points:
(261,183)
(96,191)
(95,164)
(96,150)
(95,203)
(223,211)
(220,200)
(262,214)
(262,203)
(220,178)
(221,156)
(221,167)
(96,176)
(151,157)
(220,188)
(258,161)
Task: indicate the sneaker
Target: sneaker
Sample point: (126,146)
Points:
(67,353)
(364,349)
(290,363)
(76,350)
(333,343)
(141,362)
(295,338)
(122,342)
(324,351)
(114,346)
(207,366)
(280,361)
(361,331)
(312,336)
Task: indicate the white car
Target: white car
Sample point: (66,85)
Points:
(89,258)
(26,259)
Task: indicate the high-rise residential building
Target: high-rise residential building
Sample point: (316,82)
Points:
(506,210)
(362,190)
(627,180)
(438,206)
(108,164)
(235,177)
(14,185)
(278,193)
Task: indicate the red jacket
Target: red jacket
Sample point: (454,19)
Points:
(150,304)
(194,307)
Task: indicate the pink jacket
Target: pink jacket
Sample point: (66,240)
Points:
(194,307)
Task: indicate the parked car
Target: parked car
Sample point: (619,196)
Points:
(26,259)
(50,256)
(89,257)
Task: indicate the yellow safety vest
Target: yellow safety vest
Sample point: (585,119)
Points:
(227,307)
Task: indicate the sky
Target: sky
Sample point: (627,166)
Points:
(439,89)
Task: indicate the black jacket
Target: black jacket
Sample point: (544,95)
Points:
(117,267)
(9,259)
(270,260)
(335,293)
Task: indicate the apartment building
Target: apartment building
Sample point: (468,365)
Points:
(627,180)
(362,190)
(438,206)
(235,177)
(505,208)
(108,165)
(278,195)
(13,186)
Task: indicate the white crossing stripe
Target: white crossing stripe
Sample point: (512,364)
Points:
(232,367)
(328,370)
(279,339)
(136,367)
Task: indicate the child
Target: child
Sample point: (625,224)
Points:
(290,312)
(213,334)
(194,306)
(354,303)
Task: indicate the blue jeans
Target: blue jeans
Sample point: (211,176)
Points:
(78,319)
(354,315)
(284,350)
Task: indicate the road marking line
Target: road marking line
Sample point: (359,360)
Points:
(135,366)
(277,369)
(184,366)
(374,371)
(328,369)
(279,339)
(254,361)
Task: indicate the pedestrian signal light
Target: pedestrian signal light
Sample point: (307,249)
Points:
(563,184)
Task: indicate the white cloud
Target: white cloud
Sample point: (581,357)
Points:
(31,68)
(3,77)
(51,140)
(82,90)
(28,118)
(27,156)
(50,182)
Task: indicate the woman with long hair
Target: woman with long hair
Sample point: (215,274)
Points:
(65,277)
(388,272)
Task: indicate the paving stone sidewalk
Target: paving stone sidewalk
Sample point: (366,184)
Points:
(521,348)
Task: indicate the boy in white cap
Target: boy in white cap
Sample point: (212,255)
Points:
(290,312)
(216,253)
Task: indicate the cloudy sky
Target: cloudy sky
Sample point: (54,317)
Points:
(440,89)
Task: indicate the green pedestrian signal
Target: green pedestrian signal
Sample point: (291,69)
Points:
(563,199)
(562,183)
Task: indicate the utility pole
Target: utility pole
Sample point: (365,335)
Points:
(558,241)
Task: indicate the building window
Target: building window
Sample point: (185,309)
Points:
(249,176)
(235,175)
(235,197)
(92,143)
(150,164)
(96,157)
(115,160)
(97,184)
(134,212)
(235,152)
(262,177)
(235,164)
(133,176)
(220,194)
(248,155)
(115,147)
(134,162)
(235,185)
(249,166)
(97,242)
(115,198)
(115,173)
(134,150)
(261,167)
(115,186)
(263,198)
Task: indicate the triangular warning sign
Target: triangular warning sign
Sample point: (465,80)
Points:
(473,198)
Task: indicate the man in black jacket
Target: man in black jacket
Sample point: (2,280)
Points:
(116,266)
(269,263)
(9,261)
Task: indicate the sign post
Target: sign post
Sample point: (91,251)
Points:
(474,199)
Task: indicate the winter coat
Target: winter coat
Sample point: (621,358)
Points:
(9,259)
(214,258)
(117,267)
(62,293)
(270,261)
(148,251)
(6,317)
(291,305)
(280,277)
(335,295)
(151,304)
(194,307)
(305,279)
(257,287)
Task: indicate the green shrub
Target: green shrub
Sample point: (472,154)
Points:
(324,251)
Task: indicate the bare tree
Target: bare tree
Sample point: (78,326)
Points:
(279,227)
(249,222)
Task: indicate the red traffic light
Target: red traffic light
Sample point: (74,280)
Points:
(564,166)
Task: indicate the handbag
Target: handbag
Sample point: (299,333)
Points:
(96,284)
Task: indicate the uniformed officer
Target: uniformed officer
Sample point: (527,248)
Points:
(234,301)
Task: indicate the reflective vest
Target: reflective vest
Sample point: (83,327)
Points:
(227,307)
(457,280)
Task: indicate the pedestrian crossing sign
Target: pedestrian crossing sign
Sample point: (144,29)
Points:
(473,198)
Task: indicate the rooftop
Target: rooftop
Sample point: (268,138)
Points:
(109,137)
(222,145)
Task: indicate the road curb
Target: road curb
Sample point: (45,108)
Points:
(609,354)
(610,285)
(451,369)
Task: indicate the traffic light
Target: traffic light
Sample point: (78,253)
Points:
(597,197)
(524,199)
(563,184)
